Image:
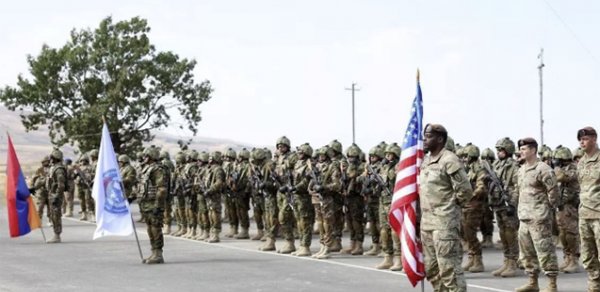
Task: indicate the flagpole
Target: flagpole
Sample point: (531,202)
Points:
(133,224)
(42,230)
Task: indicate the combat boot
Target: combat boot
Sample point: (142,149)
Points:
(269,245)
(166,228)
(92,217)
(487,242)
(303,251)
(179,226)
(259,234)
(477,265)
(496,273)
(214,237)
(204,234)
(181,232)
(325,254)
(232,231)
(336,246)
(69,213)
(375,249)
(155,258)
(573,266)
(565,263)
(386,263)
(83,216)
(552,287)
(243,234)
(191,233)
(468,263)
(348,249)
(321,250)
(288,247)
(511,269)
(397,266)
(358,249)
(531,286)
(54,239)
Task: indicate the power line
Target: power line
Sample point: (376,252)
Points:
(564,23)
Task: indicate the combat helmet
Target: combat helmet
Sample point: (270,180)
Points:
(394,149)
(180,157)
(244,154)
(306,149)
(507,145)
(471,151)
(152,152)
(165,155)
(577,153)
(94,154)
(203,156)
(123,158)
(56,154)
(336,146)
(450,144)
(377,151)
(563,153)
(230,153)
(259,154)
(546,152)
(353,151)
(215,156)
(488,154)
(192,155)
(283,140)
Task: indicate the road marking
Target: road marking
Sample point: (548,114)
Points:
(329,261)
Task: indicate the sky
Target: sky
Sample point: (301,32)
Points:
(282,67)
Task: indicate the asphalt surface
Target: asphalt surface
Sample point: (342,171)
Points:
(113,264)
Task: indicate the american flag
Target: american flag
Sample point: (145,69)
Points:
(403,215)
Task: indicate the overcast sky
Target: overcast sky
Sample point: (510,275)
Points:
(281,67)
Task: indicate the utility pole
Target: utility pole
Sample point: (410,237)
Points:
(354,89)
(541,68)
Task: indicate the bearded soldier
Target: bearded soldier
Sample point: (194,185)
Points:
(152,199)
(56,184)
(567,216)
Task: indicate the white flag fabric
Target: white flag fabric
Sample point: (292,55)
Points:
(113,216)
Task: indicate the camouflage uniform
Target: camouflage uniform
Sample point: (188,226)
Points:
(170,167)
(67,207)
(179,195)
(215,186)
(567,217)
(190,198)
(243,189)
(83,187)
(355,201)
(588,170)
(339,200)
(56,184)
(303,208)
(538,198)
(372,200)
(229,166)
(284,166)
(262,191)
(129,177)
(152,197)
(199,183)
(444,189)
(472,213)
(487,225)
(41,192)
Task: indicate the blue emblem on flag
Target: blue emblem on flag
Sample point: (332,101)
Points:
(113,193)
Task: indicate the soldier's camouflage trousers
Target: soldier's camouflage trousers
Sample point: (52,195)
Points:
(373,219)
(84,194)
(203,217)
(328,209)
(179,206)
(191,209)
(319,220)
(168,214)
(356,216)
(271,216)
(508,227)
(390,242)
(443,254)
(41,202)
(537,247)
(487,225)
(214,212)
(589,229)
(69,200)
(305,216)
(229,203)
(338,227)
(286,217)
(55,209)
(258,209)
(154,223)
(567,220)
(471,220)
(241,206)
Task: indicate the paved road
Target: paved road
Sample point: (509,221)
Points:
(113,264)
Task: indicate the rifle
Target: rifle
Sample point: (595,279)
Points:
(288,192)
(82,176)
(315,175)
(232,183)
(257,180)
(496,186)
(377,178)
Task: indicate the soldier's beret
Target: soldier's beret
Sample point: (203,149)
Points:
(436,128)
(586,131)
(527,141)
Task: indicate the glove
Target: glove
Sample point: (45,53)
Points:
(283,189)
(292,189)
(318,188)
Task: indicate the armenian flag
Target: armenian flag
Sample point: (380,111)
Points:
(22,215)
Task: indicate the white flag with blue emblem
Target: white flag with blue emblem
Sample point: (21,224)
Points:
(113,216)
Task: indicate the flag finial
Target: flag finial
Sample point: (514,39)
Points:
(418,75)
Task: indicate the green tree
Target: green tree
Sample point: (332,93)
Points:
(113,72)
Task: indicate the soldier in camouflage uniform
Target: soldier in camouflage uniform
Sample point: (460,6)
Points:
(39,184)
(588,170)
(152,198)
(506,169)
(262,189)
(199,184)
(472,213)
(284,166)
(191,202)
(487,225)
(303,208)
(229,166)
(179,195)
(390,243)
(538,198)
(91,174)
(56,184)
(372,200)
(128,177)
(83,187)
(567,216)
(355,201)
(577,154)
(242,188)
(215,186)
(139,158)
(67,207)
(339,203)
(329,186)
(168,164)
(444,189)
